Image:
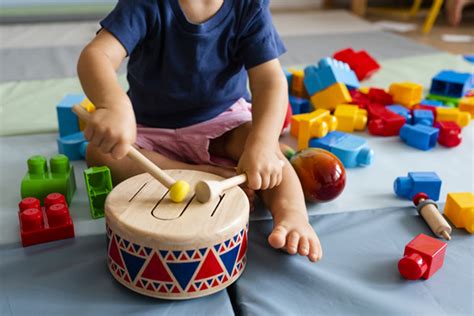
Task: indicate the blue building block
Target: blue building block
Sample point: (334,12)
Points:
(452,84)
(350,149)
(299,105)
(401,110)
(432,102)
(289,78)
(419,136)
(416,182)
(68,123)
(73,146)
(329,72)
(424,117)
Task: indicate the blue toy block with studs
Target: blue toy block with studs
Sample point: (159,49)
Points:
(328,72)
(419,136)
(68,123)
(431,102)
(424,117)
(417,182)
(98,184)
(74,146)
(401,110)
(352,150)
(299,105)
(452,84)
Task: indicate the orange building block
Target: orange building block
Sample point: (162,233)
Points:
(310,125)
(467,105)
(331,97)
(86,104)
(406,93)
(350,118)
(297,88)
(452,114)
(459,209)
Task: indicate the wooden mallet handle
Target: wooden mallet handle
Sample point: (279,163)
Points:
(135,155)
(429,211)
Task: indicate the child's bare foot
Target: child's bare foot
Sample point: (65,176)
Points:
(293,233)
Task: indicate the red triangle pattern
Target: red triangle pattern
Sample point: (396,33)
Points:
(114,253)
(204,286)
(126,278)
(139,284)
(196,255)
(175,290)
(210,267)
(150,287)
(130,249)
(215,283)
(191,289)
(243,248)
(224,279)
(155,270)
(162,289)
(142,252)
(170,257)
(183,257)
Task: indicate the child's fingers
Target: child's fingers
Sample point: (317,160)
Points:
(108,144)
(120,150)
(254,180)
(265,180)
(89,133)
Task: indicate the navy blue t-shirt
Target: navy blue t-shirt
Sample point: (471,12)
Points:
(182,73)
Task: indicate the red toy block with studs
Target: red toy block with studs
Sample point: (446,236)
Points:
(423,257)
(449,133)
(361,62)
(380,96)
(383,122)
(44,224)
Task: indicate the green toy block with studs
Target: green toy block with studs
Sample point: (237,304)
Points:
(98,185)
(40,180)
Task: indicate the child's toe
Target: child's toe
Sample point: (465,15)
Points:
(315,252)
(303,247)
(292,242)
(278,237)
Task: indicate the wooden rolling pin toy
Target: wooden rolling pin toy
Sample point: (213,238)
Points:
(429,211)
(178,190)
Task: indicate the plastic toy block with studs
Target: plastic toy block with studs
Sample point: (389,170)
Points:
(417,182)
(424,117)
(350,118)
(331,97)
(419,136)
(459,209)
(40,180)
(406,93)
(452,84)
(68,122)
(449,102)
(423,257)
(89,107)
(466,104)
(352,150)
(297,88)
(74,146)
(98,185)
(328,72)
(401,110)
(383,122)
(360,62)
(44,224)
(299,105)
(449,133)
(455,115)
(315,124)
(379,96)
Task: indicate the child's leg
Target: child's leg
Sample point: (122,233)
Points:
(126,168)
(291,229)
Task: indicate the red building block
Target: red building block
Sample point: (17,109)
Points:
(449,133)
(380,96)
(287,121)
(43,224)
(383,122)
(423,256)
(361,62)
(359,98)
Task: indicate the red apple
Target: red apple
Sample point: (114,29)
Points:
(321,174)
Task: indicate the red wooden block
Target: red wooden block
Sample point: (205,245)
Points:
(449,133)
(383,122)
(423,256)
(361,62)
(380,96)
(43,224)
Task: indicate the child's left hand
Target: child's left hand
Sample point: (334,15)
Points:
(263,167)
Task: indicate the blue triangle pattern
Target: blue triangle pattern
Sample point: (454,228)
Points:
(227,243)
(145,282)
(136,247)
(198,284)
(183,272)
(156,284)
(126,242)
(118,238)
(190,253)
(216,247)
(164,253)
(148,250)
(235,238)
(176,254)
(133,264)
(220,277)
(202,251)
(228,258)
(169,286)
(209,282)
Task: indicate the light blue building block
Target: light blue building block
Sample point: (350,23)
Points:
(299,105)
(418,182)
(419,136)
(452,84)
(432,102)
(328,72)
(68,122)
(424,117)
(350,149)
(401,110)
(73,146)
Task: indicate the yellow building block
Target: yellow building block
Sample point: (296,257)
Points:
(350,118)
(86,104)
(452,114)
(459,209)
(406,93)
(467,105)
(297,88)
(309,125)
(331,97)
(364,90)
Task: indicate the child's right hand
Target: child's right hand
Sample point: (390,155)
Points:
(112,128)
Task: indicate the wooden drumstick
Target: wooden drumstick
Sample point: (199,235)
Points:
(209,190)
(429,211)
(178,189)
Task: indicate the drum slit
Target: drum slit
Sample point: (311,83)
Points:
(158,203)
(139,190)
(187,204)
(218,203)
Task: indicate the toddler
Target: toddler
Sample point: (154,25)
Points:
(186,106)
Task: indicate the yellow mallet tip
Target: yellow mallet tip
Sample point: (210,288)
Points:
(179,190)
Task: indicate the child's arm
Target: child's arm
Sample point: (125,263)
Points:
(261,157)
(112,128)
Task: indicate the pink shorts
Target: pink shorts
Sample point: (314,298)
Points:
(191,144)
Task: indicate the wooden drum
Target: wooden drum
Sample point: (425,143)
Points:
(175,250)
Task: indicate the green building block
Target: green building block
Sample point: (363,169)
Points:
(40,180)
(448,101)
(98,185)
